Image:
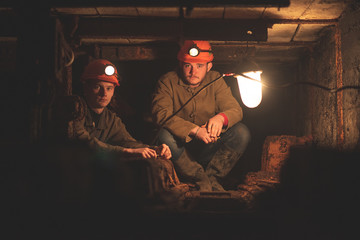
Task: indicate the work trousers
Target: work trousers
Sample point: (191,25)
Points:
(216,159)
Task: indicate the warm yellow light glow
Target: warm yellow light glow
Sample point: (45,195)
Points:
(250,90)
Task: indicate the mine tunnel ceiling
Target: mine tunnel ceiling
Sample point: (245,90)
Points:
(277,29)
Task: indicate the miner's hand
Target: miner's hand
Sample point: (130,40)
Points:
(214,126)
(163,151)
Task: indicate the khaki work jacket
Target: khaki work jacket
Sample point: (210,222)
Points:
(171,93)
(109,134)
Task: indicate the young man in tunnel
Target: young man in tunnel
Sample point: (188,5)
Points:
(206,137)
(99,127)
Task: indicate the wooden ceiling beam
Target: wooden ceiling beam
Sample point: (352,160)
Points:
(215,30)
(148,3)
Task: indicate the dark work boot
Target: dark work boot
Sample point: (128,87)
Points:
(202,181)
(215,185)
(193,171)
(220,165)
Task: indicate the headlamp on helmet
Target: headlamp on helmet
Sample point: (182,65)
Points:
(195,51)
(109,70)
(102,70)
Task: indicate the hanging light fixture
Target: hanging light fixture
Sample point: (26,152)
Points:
(248,74)
(250,88)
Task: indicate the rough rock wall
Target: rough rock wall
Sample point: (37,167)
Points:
(319,113)
(302,119)
(350,38)
(324,103)
(317,107)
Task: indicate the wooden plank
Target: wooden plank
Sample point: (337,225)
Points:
(89,3)
(220,30)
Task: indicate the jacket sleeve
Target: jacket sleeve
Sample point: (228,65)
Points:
(162,109)
(121,138)
(227,104)
(82,135)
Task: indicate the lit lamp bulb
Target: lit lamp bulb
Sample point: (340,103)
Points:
(194,52)
(109,70)
(250,90)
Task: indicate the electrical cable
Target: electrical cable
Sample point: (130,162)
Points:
(332,90)
(195,94)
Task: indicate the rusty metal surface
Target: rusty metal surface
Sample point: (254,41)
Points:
(217,195)
(256,183)
(241,199)
(276,150)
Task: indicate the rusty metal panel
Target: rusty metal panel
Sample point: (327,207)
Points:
(276,150)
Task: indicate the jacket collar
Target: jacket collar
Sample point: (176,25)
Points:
(102,121)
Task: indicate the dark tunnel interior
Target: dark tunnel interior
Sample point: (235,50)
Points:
(298,178)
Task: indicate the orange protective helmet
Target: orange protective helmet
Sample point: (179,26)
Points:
(193,51)
(101,69)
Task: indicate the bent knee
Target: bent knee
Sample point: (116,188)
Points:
(240,134)
(244,132)
(164,136)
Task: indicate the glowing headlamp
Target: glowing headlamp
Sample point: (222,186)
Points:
(195,51)
(109,70)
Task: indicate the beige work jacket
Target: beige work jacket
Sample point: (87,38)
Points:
(171,93)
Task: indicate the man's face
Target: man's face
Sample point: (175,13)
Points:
(194,73)
(98,93)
